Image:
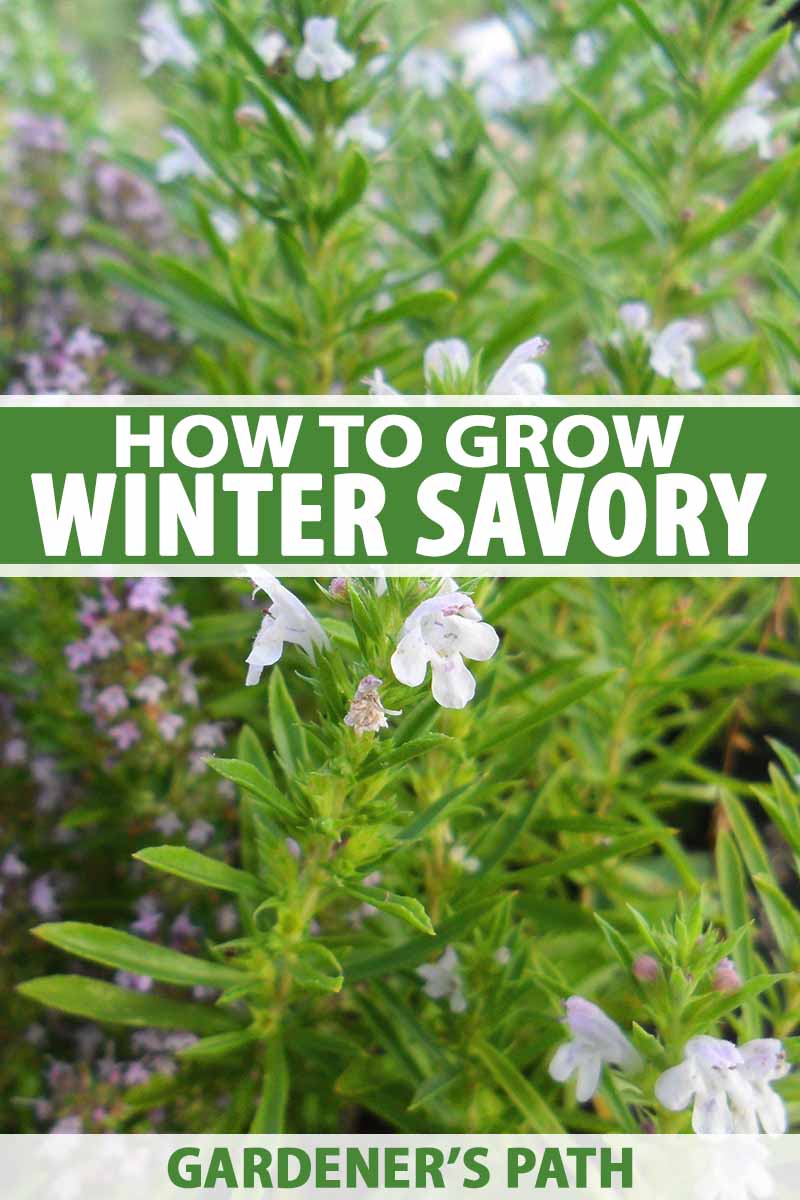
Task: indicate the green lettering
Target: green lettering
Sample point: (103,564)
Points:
(520,1162)
(190,1176)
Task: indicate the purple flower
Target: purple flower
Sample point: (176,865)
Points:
(148,917)
(78,654)
(162,639)
(169,725)
(150,690)
(178,616)
(227,919)
(12,867)
(43,898)
(208,735)
(135,1074)
(103,642)
(183,929)
(135,983)
(15,752)
(112,701)
(199,833)
(125,735)
(169,824)
(148,595)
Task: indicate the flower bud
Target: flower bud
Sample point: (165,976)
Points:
(249,115)
(646,968)
(726,977)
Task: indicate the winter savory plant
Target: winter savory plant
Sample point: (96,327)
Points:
(316,196)
(453,794)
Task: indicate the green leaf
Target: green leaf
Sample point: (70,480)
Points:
(736,84)
(416,950)
(99,1001)
(199,868)
(219,1046)
(655,35)
(564,864)
(430,1088)
(239,38)
(287,729)
(124,952)
(560,701)
(758,864)
(437,812)
(250,779)
(405,907)
(538,1116)
(317,968)
(352,184)
(645,168)
(736,910)
(756,196)
(205,313)
(270,1116)
(420,306)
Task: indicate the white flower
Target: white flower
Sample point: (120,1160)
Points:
(429,70)
(226,225)
(443,631)
(288,620)
(360,129)
(596,1040)
(636,316)
(163,41)
(443,981)
(463,859)
(730,1086)
(672,356)
(448,357)
(270,47)
(519,374)
(377,385)
(586,48)
(486,47)
(749,125)
(764,1063)
(366,713)
(321,52)
(183,161)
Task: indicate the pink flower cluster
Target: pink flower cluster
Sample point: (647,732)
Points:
(134,680)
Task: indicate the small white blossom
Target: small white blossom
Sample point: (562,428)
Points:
(227,226)
(321,52)
(586,48)
(636,316)
(185,160)
(361,130)
(596,1040)
(730,1086)
(271,46)
(429,70)
(672,357)
(443,980)
(287,621)
(443,631)
(463,859)
(448,357)
(749,125)
(366,713)
(520,375)
(377,385)
(163,41)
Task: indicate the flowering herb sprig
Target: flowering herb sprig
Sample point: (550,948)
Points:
(365,892)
